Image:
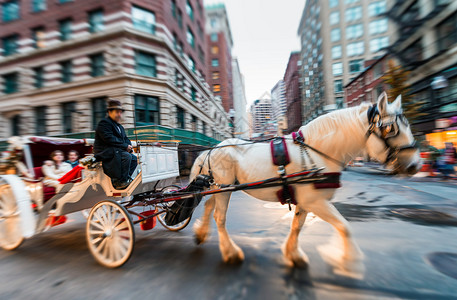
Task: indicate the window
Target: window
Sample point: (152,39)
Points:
(215,75)
(333,3)
(201,55)
(180,118)
(38,5)
(147,110)
(339,101)
(143,19)
(335,34)
(40,119)
(213,22)
(353,13)
(334,18)
(38,77)
(193,94)
(10,10)
(378,26)
(354,49)
(377,8)
(189,10)
(65,29)
(338,85)
(337,69)
(66,71)
(378,44)
(68,109)
(65,1)
(145,64)
(216,88)
(194,123)
(214,50)
(215,62)
(10,83)
(356,66)
(173,8)
(96,65)
(190,37)
(96,21)
(10,45)
(203,127)
(179,18)
(354,31)
(191,64)
(38,36)
(15,122)
(213,37)
(98,110)
(351,1)
(447,32)
(336,52)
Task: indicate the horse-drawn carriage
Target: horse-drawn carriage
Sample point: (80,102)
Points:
(282,169)
(28,207)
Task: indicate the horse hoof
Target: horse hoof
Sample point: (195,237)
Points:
(199,240)
(234,259)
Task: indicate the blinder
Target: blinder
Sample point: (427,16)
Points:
(388,128)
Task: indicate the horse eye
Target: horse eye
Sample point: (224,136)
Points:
(388,128)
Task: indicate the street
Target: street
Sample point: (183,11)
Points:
(403,226)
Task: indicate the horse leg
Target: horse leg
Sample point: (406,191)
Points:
(291,250)
(230,252)
(348,259)
(201,228)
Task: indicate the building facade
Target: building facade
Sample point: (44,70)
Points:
(427,47)
(240,116)
(61,60)
(337,37)
(293,93)
(368,85)
(262,123)
(219,59)
(279,106)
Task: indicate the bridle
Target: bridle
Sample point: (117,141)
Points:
(388,129)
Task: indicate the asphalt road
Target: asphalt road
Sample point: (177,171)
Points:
(406,229)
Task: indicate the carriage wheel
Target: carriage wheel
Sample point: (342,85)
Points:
(110,234)
(161,217)
(10,227)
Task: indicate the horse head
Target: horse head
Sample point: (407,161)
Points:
(390,139)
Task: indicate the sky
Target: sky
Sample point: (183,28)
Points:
(264,33)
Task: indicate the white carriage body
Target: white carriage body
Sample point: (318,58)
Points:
(158,167)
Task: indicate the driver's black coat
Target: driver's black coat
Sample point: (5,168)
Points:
(110,141)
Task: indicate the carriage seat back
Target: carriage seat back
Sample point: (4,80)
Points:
(48,191)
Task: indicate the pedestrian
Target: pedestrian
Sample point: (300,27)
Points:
(113,147)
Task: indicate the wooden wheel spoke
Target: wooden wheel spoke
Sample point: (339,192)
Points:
(97,224)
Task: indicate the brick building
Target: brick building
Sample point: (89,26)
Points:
(60,60)
(368,85)
(219,57)
(293,93)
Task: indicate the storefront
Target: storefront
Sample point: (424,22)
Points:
(446,132)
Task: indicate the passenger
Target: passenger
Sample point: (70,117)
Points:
(73,158)
(113,147)
(55,169)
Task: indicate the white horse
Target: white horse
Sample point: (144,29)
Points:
(341,135)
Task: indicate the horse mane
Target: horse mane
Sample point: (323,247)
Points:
(339,126)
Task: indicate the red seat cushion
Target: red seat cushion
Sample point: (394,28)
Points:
(38,173)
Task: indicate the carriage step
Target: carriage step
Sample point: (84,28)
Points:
(56,220)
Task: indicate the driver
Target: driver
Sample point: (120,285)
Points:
(113,147)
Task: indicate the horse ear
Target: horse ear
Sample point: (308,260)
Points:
(382,102)
(397,103)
